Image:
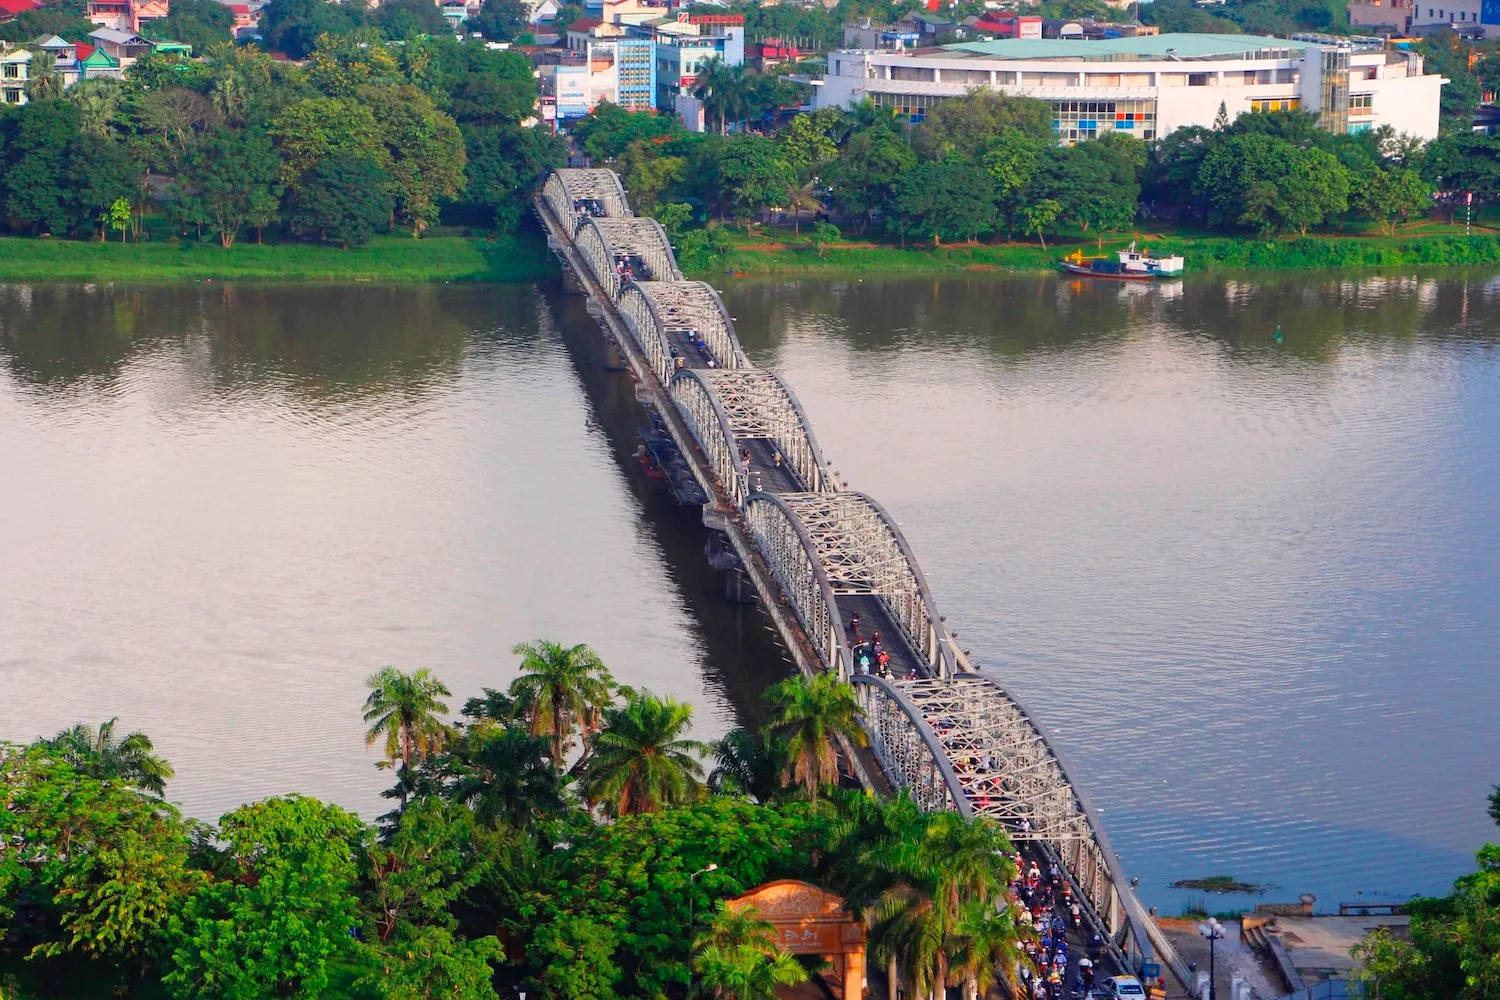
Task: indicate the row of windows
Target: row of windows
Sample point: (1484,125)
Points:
(1279,104)
(12,95)
(1361,103)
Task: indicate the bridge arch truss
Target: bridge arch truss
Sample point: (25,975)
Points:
(565,188)
(992,759)
(658,310)
(602,241)
(726,408)
(791,553)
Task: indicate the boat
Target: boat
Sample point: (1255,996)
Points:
(1129,264)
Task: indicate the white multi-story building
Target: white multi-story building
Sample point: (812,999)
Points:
(1148,86)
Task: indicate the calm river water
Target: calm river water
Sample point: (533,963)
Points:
(1254,586)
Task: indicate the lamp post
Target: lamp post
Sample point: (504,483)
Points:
(713,866)
(1214,931)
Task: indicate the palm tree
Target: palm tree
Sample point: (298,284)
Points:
(970,857)
(506,777)
(561,687)
(810,714)
(404,710)
(100,754)
(97,100)
(42,81)
(984,939)
(641,762)
(738,957)
(721,88)
(802,198)
(748,764)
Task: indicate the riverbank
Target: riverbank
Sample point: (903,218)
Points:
(748,256)
(523,257)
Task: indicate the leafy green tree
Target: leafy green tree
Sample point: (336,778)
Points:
(239,80)
(806,143)
(284,911)
(199,23)
(609,130)
(504,163)
(947,199)
(426,151)
(723,90)
(824,235)
(294,26)
(565,16)
(1495,805)
(1172,165)
(229,181)
(322,128)
(500,20)
(642,760)
(752,176)
(427,863)
(98,101)
(119,216)
(103,754)
(561,689)
(36,141)
(408,19)
(1039,215)
(1013,159)
(963,127)
(576,955)
(983,940)
(1094,182)
(1317,190)
(1391,196)
(500,91)
(1269,184)
(646,173)
(862,180)
(432,963)
(812,714)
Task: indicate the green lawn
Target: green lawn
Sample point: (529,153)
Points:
(779,252)
(392,258)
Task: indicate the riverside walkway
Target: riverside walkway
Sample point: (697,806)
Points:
(820,553)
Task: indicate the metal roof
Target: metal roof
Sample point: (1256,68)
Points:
(1181,45)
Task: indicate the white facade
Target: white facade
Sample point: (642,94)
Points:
(1150,86)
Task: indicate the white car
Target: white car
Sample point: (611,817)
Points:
(1124,987)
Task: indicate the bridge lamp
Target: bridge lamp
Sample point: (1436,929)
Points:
(1213,931)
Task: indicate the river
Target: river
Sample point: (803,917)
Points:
(1253,585)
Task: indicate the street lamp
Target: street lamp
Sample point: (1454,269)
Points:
(1214,931)
(713,866)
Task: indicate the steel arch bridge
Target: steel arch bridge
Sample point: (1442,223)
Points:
(947,733)
(856,549)
(604,241)
(565,188)
(727,409)
(963,743)
(662,312)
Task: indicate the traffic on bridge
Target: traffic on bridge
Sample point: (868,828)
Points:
(939,727)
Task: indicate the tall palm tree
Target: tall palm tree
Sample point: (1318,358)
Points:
(738,957)
(802,198)
(983,940)
(561,688)
(810,714)
(42,80)
(970,858)
(748,764)
(722,89)
(101,754)
(404,709)
(506,777)
(641,760)
(97,100)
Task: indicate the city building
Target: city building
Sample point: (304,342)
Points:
(599,67)
(126,15)
(1428,17)
(1381,16)
(1150,85)
(684,45)
(14,72)
(125,47)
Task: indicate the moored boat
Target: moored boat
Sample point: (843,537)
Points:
(1129,264)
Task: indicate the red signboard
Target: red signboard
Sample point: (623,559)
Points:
(712,18)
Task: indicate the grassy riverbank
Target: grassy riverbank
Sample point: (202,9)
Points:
(444,258)
(784,254)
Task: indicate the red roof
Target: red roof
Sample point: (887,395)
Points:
(83,50)
(242,9)
(585,24)
(10,8)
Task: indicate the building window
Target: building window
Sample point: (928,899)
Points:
(12,71)
(1361,104)
(12,96)
(1279,104)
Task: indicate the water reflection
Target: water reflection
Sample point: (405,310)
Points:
(1254,585)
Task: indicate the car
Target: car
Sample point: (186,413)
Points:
(1124,987)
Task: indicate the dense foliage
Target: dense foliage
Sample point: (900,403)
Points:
(558,837)
(366,137)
